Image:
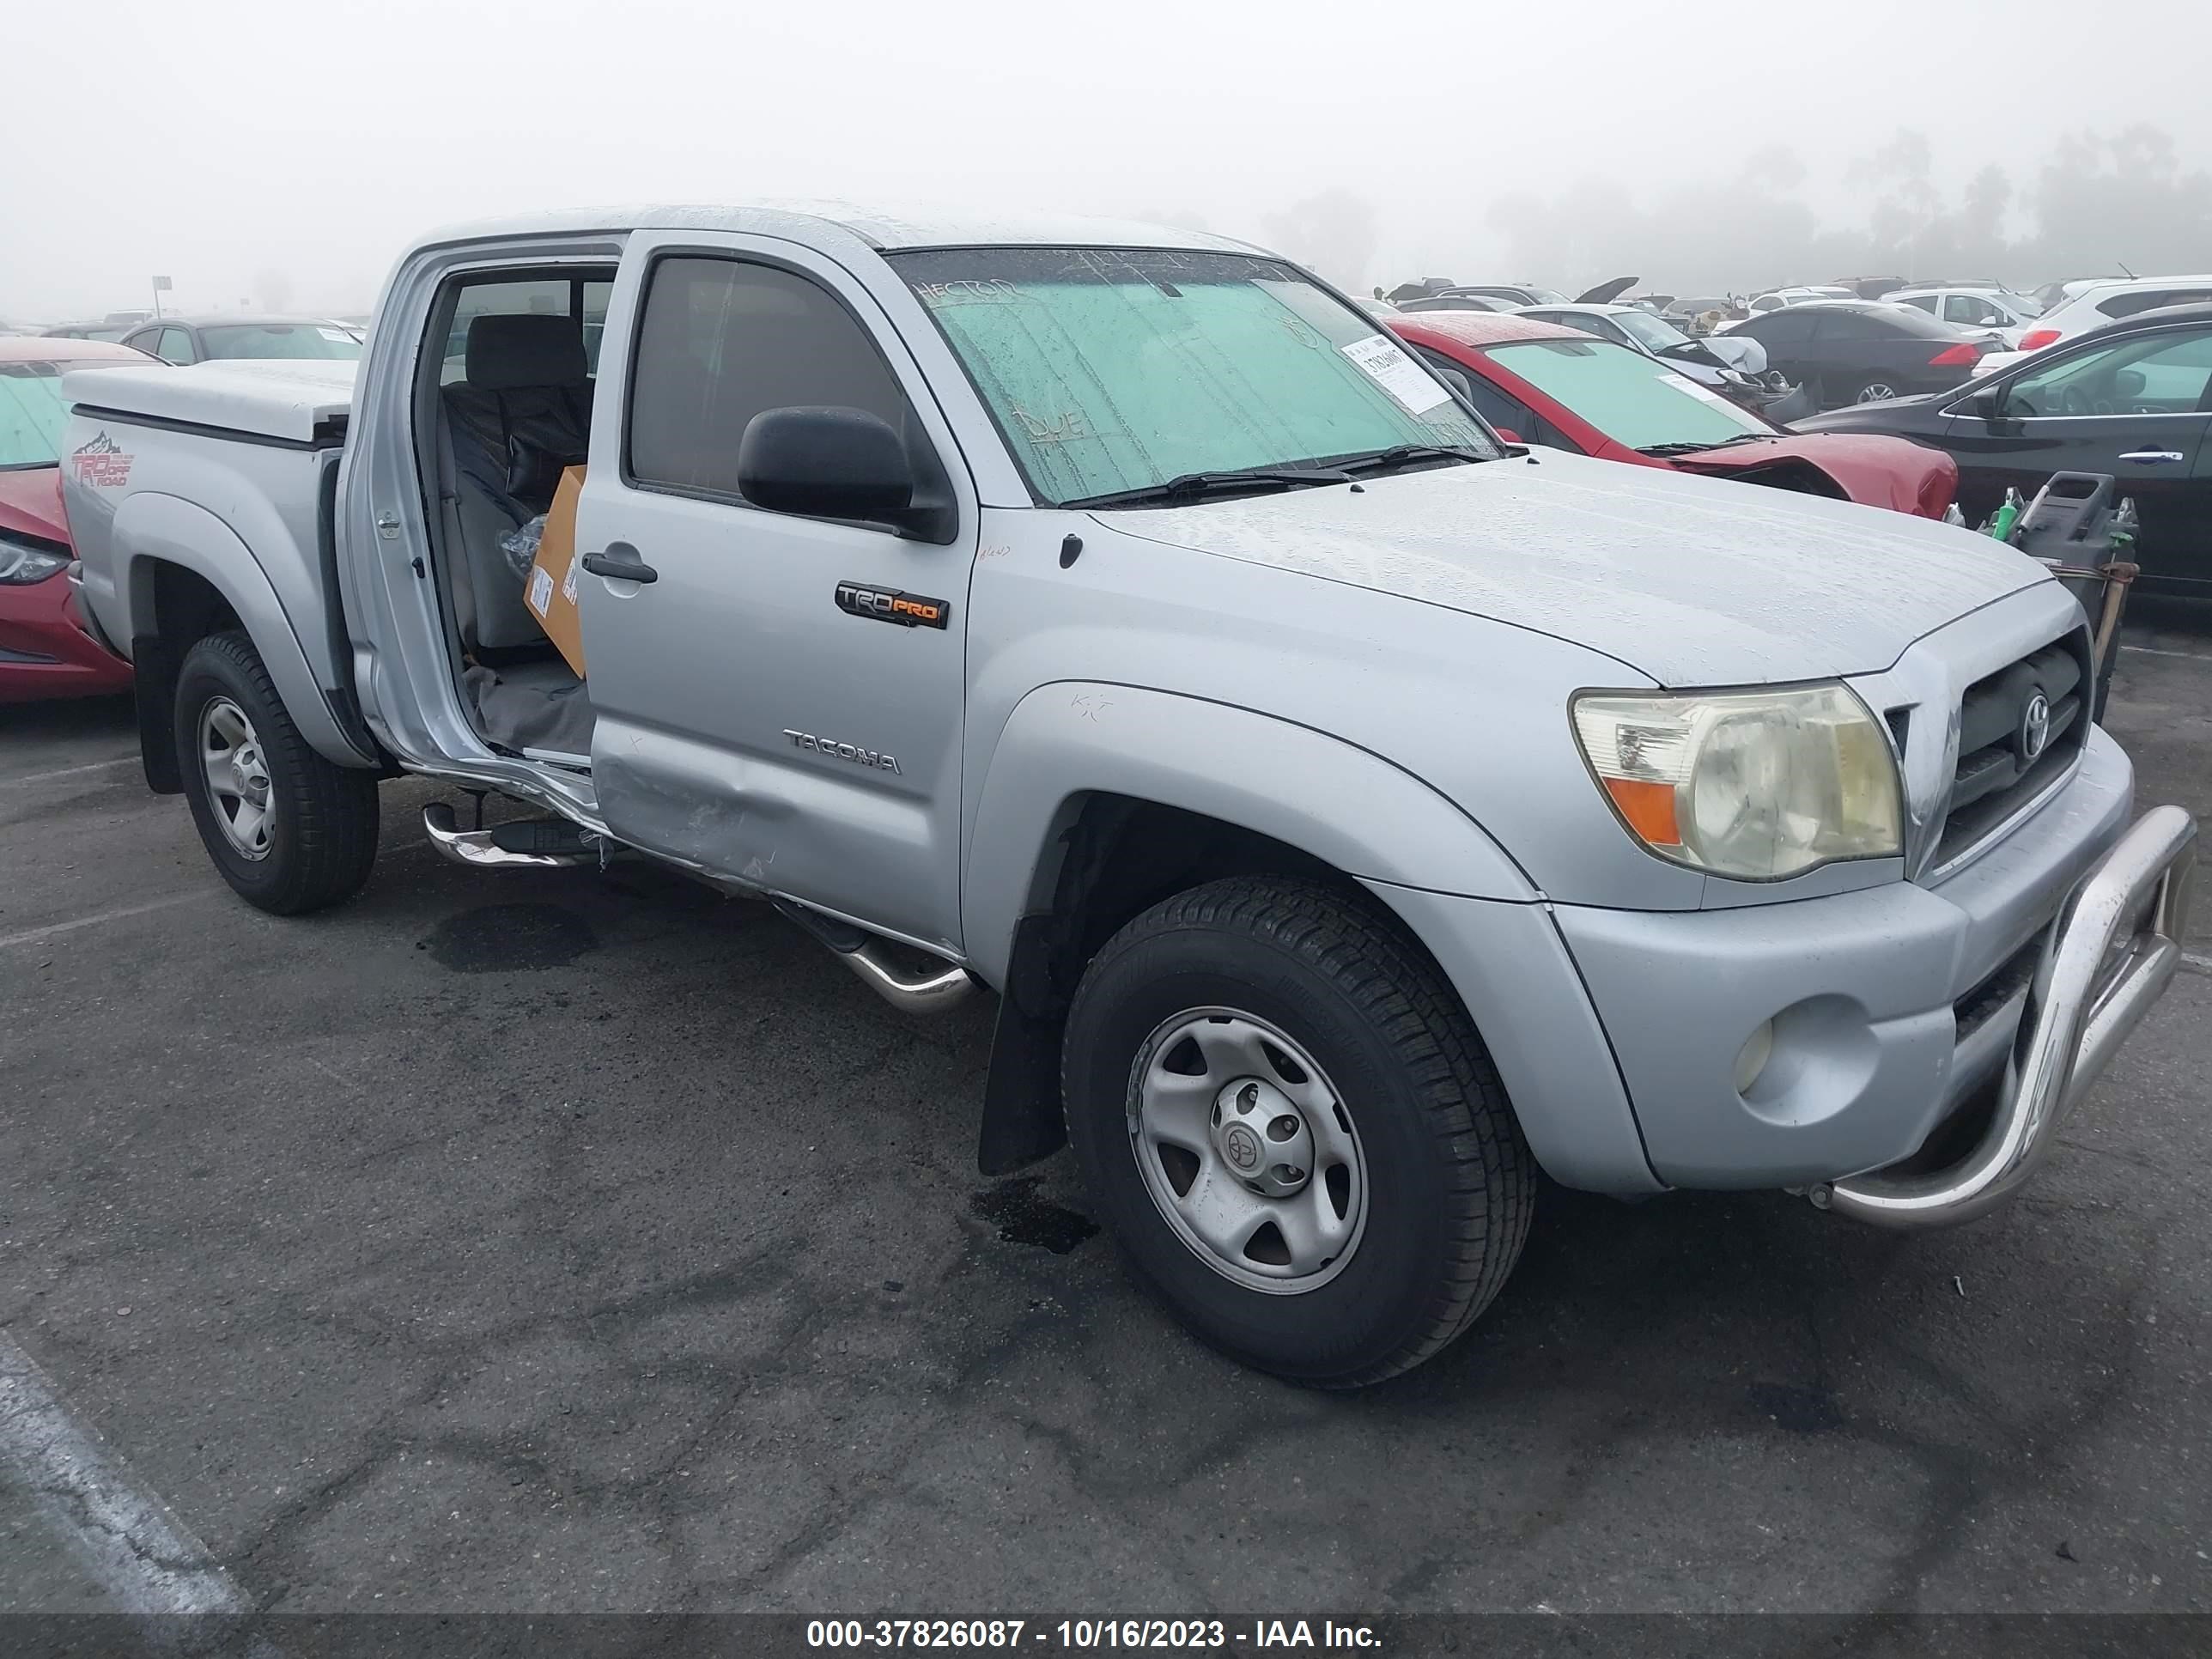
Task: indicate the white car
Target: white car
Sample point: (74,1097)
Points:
(2007,314)
(2094,306)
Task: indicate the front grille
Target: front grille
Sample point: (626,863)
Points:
(1994,776)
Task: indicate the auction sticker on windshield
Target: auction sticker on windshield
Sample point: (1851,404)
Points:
(1382,363)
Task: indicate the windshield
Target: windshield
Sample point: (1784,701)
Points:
(1630,398)
(278,340)
(32,412)
(1113,369)
(1653,332)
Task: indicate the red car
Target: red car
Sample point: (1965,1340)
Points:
(42,652)
(1538,383)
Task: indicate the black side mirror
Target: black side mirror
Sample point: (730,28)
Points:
(1988,404)
(825,463)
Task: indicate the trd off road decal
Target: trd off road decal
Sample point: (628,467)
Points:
(103,463)
(889,604)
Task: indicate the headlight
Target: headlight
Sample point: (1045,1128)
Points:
(21,563)
(1758,784)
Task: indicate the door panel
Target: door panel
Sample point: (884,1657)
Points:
(749,723)
(2169,495)
(2127,407)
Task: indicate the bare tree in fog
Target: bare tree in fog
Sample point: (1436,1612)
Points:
(2103,200)
(2098,200)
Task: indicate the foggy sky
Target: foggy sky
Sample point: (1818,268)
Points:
(272,153)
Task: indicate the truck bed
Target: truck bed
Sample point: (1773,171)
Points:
(302,402)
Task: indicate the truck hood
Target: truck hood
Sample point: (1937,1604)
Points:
(1692,581)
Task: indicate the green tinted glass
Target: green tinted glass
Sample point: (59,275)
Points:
(1624,394)
(32,414)
(1113,369)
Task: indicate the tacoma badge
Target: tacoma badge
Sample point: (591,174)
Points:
(846,751)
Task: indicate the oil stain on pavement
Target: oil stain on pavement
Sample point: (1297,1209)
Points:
(509,937)
(1023,1217)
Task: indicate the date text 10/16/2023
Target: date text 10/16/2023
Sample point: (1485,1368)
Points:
(1088,1635)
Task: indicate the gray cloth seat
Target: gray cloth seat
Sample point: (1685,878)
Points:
(523,413)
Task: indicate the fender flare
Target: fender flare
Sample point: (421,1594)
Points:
(1347,806)
(151,527)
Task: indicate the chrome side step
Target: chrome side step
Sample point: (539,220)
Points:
(533,844)
(868,956)
(555,843)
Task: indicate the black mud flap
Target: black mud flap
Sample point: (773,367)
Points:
(154,687)
(1022,1123)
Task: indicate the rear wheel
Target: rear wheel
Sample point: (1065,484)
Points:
(1292,1128)
(1878,390)
(290,831)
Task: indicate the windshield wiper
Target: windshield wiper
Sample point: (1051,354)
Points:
(1193,486)
(1398,455)
(1694,448)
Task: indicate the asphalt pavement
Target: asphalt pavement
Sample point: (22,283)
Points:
(567,1241)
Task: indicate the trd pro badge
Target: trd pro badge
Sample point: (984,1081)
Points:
(891,605)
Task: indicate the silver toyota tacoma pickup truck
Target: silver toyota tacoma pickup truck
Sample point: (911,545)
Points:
(1353,814)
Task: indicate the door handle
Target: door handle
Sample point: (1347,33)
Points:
(2151,457)
(619,562)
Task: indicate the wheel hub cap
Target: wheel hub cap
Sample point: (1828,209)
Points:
(1262,1138)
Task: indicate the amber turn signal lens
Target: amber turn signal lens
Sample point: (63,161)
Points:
(1649,807)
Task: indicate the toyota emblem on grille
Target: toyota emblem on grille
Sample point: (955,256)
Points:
(2035,727)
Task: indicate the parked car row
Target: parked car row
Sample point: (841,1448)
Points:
(2094,306)
(2114,379)
(2132,398)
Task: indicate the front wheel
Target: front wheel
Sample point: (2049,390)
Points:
(289,830)
(1292,1128)
(1876,390)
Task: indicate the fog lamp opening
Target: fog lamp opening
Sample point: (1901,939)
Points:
(1751,1059)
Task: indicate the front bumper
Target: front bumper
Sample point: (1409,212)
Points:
(2115,947)
(1894,1007)
(43,651)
